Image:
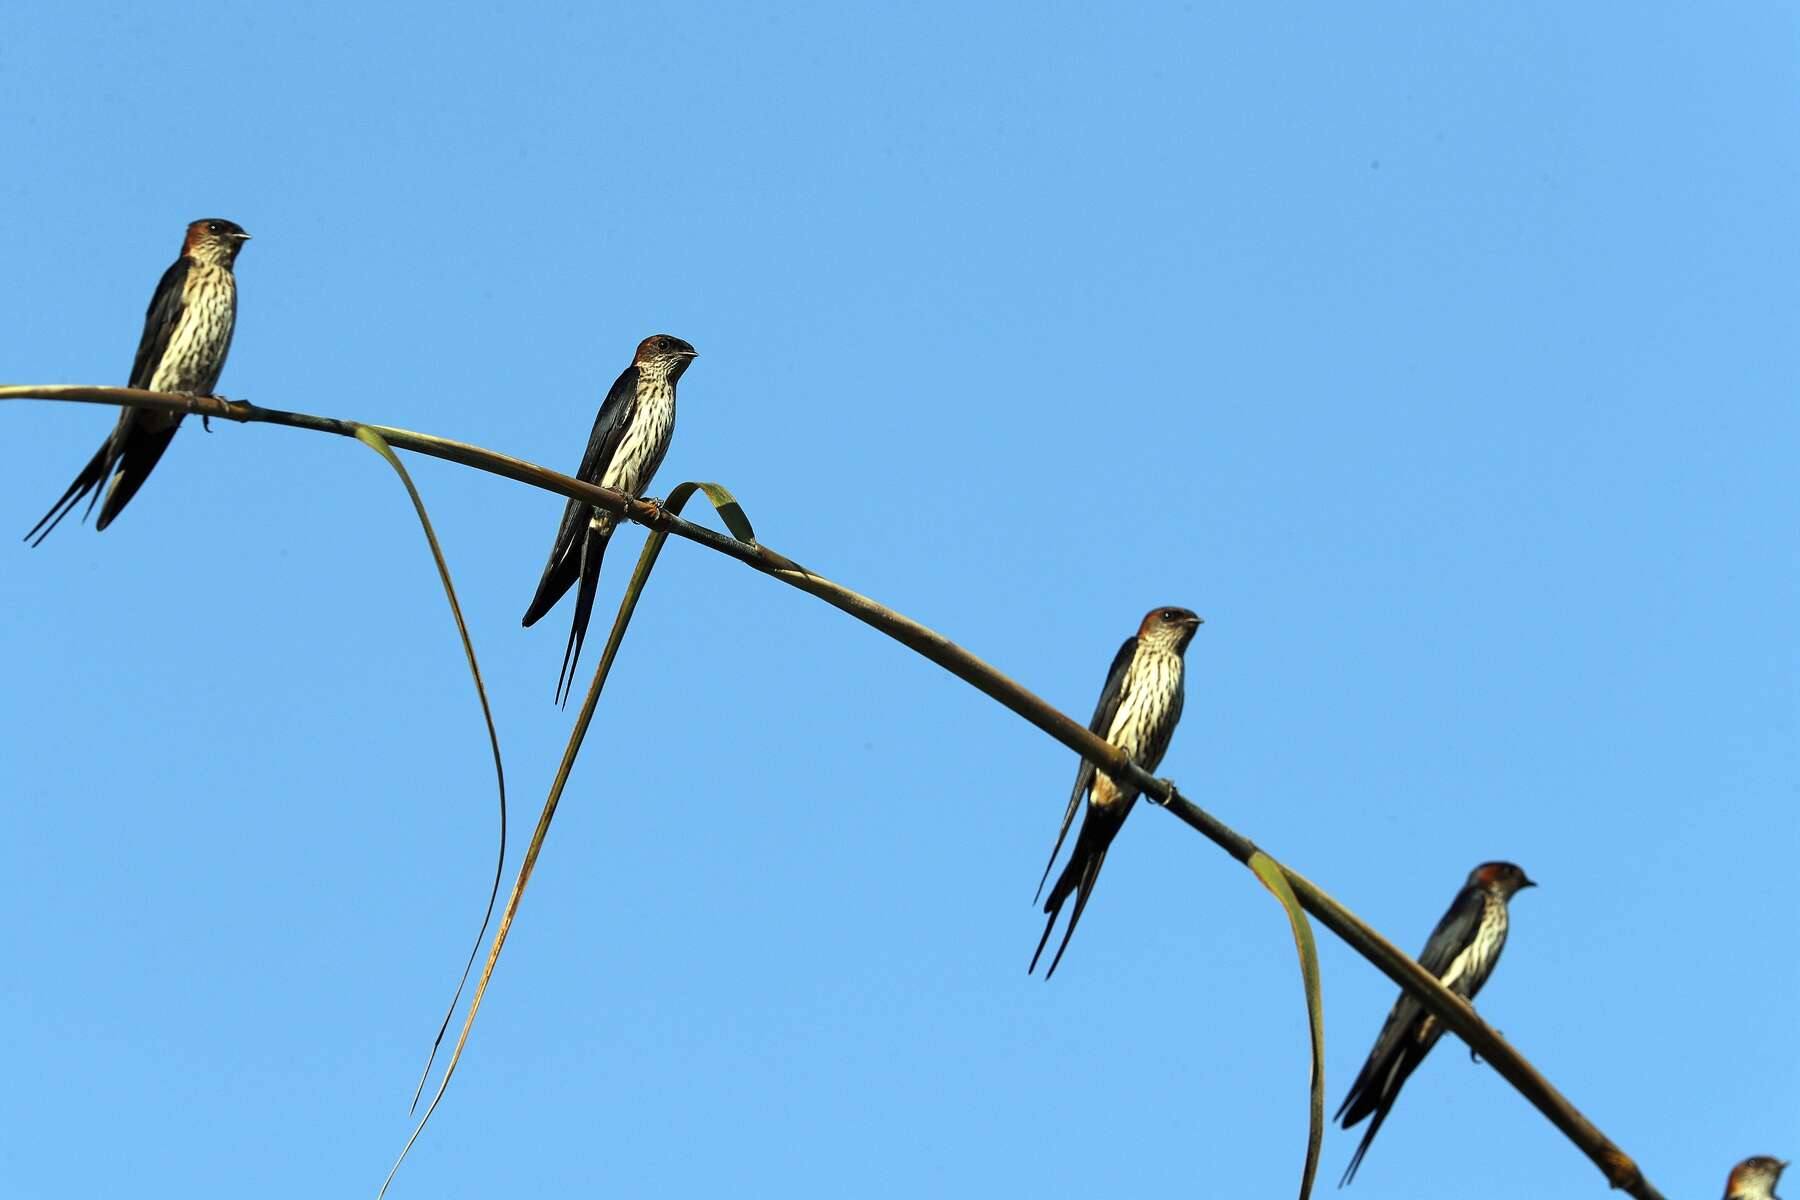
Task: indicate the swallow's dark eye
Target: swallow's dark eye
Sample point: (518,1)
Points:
(1170,614)
(662,343)
(214,227)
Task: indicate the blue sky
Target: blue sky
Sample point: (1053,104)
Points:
(1439,355)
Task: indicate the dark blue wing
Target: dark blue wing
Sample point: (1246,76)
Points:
(1455,930)
(1407,1034)
(1104,711)
(160,319)
(609,426)
(603,443)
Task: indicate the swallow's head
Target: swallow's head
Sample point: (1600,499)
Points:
(1171,627)
(1754,1178)
(1502,877)
(664,355)
(214,240)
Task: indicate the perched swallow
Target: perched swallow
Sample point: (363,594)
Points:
(187,333)
(1461,952)
(630,437)
(1754,1179)
(1138,709)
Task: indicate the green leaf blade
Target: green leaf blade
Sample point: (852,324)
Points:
(1269,872)
(372,439)
(733,516)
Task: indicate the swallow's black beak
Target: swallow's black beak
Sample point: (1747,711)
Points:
(1528,883)
(241,236)
(1193,622)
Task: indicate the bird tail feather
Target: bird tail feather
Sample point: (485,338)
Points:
(137,458)
(1362,1147)
(88,480)
(558,575)
(1378,1085)
(593,548)
(1077,877)
(1068,820)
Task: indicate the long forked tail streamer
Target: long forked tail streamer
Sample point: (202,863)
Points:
(739,525)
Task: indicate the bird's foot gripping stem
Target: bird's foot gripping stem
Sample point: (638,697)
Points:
(193,399)
(1167,783)
(206,418)
(656,506)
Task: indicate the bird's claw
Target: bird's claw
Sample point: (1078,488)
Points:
(206,418)
(656,506)
(1169,784)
